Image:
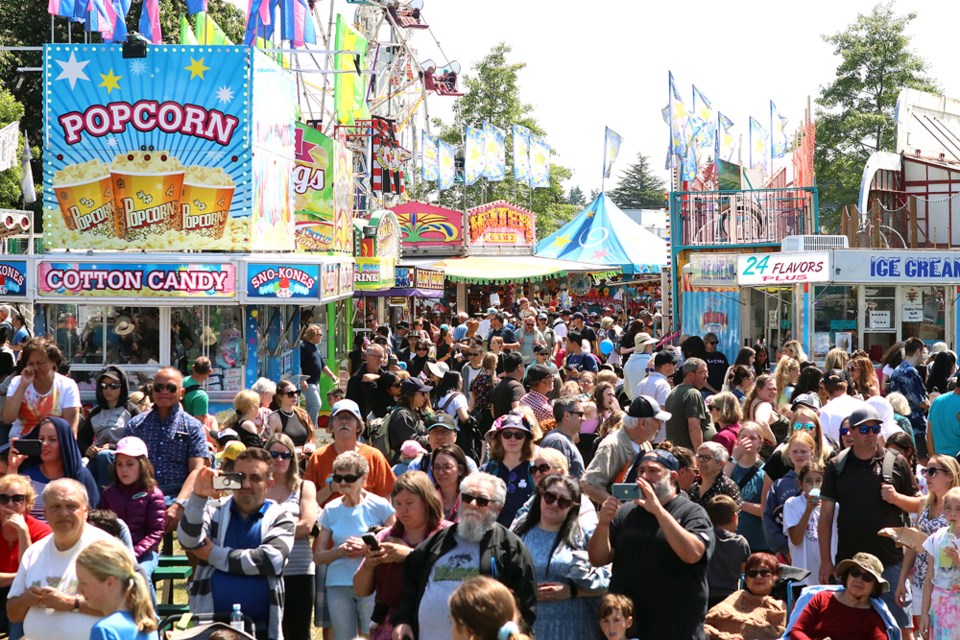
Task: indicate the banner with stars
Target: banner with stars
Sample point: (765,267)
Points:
(156,153)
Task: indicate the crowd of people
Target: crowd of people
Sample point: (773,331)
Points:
(533,473)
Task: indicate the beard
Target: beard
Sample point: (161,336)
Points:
(663,489)
(473,529)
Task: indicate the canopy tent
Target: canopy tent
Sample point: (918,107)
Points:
(603,234)
(488,269)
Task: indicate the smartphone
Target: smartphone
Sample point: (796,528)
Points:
(28,447)
(227,481)
(626,491)
(371,541)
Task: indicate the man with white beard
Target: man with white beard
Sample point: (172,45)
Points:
(660,546)
(476,545)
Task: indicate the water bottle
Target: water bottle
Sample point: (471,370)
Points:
(236,618)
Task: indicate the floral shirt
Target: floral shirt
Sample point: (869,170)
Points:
(928,526)
(482,390)
(721,486)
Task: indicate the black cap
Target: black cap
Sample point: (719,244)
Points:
(512,361)
(413,385)
(667,356)
(864,415)
(537,372)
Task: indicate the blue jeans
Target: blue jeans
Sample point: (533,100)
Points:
(902,615)
(312,397)
(99,467)
(149,563)
(349,615)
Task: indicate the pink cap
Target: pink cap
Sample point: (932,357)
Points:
(132,446)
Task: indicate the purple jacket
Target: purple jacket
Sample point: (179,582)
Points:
(143,511)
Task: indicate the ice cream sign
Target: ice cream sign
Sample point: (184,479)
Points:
(117,280)
(278,281)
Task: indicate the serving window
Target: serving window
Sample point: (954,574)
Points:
(212,331)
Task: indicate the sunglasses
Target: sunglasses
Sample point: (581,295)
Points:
(480,501)
(422,349)
(542,468)
(348,479)
(804,426)
(15,499)
(561,501)
(292,394)
(844,431)
(169,388)
(931,472)
(753,573)
(283,455)
(713,342)
(576,413)
(113,386)
(867,428)
(512,434)
(856,572)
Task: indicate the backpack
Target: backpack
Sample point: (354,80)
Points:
(886,472)
(378,435)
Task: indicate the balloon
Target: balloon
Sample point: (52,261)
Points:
(606,347)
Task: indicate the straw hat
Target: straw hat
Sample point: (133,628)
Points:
(208,337)
(124,326)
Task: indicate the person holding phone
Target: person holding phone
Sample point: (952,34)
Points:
(39,391)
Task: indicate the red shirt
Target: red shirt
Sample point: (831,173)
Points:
(826,617)
(10,551)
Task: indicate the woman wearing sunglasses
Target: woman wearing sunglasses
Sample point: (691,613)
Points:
(18,530)
(751,612)
(292,421)
(942,473)
(511,452)
(343,522)
(567,587)
(103,428)
(299,498)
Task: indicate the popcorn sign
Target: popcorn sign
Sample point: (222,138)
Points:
(157,153)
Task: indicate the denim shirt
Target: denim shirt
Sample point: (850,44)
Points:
(906,380)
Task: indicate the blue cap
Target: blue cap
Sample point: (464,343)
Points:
(660,456)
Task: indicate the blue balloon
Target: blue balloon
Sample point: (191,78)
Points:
(606,347)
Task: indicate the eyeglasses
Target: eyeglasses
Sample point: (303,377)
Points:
(542,467)
(15,499)
(512,434)
(705,457)
(113,386)
(169,388)
(764,573)
(561,501)
(348,479)
(804,426)
(283,455)
(480,501)
(446,468)
(857,572)
(844,431)
(931,472)
(868,428)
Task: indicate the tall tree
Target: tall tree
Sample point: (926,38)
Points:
(576,197)
(855,111)
(492,94)
(639,187)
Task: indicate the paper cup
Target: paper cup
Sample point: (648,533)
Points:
(88,206)
(205,208)
(147,203)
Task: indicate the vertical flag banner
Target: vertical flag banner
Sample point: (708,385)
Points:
(150,21)
(473,156)
(611,148)
(26,175)
(448,166)
(196,6)
(430,157)
(495,162)
(778,136)
(350,89)
(62,8)
(297,25)
(678,116)
(209,32)
(521,154)
(187,36)
(386,171)
(703,111)
(724,137)
(119,10)
(759,147)
(539,162)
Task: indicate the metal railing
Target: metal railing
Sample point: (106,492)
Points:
(741,218)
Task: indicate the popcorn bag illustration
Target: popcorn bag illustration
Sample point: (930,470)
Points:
(205,201)
(85,194)
(147,187)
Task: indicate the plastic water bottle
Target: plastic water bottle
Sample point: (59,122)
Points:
(236,618)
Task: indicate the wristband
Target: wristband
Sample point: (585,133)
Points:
(181,502)
(76,604)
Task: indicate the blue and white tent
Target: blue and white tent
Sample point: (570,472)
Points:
(603,234)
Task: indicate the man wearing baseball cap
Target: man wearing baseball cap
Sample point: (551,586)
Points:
(659,545)
(586,331)
(540,381)
(873,488)
(509,391)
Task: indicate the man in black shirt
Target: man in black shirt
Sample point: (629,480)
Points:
(585,330)
(507,393)
(717,363)
(660,546)
(497,329)
(365,392)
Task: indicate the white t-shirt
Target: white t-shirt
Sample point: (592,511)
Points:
(835,411)
(448,573)
(64,394)
(806,555)
(452,405)
(45,565)
(946,577)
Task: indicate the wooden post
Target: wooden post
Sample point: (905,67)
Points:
(853,229)
(843,222)
(913,228)
(875,224)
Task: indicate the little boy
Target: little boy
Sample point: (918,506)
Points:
(801,513)
(615,615)
(732,550)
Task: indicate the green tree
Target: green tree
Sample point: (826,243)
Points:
(639,187)
(576,197)
(10,111)
(855,111)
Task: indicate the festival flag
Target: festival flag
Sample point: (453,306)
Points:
(521,155)
(150,21)
(430,157)
(196,6)
(495,155)
(26,175)
(386,173)
(62,8)
(187,36)
(778,137)
(677,117)
(117,14)
(209,32)
(539,162)
(759,147)
(611,148)
(350,85)
(96,19)
(447,175)
(706,128)
(474,161)
(259,20)
(724,138)
(297,27)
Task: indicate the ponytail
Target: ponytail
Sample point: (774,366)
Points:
(138,601)
(110,558)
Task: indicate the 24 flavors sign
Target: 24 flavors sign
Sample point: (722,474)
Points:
(783,268)
(278,281)
(109,280)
